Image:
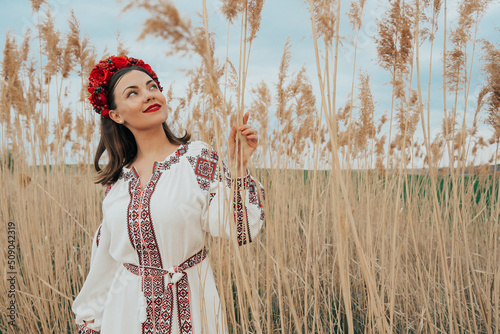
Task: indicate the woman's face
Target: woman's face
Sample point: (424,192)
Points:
(139,103)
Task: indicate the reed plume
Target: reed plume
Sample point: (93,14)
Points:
(51,48)
(231,9)
(121,49)
(355,13)
(325,19)
(395,41)
(254,17)
(36,4)
(295,110)
(166,22)
(365,126)
(260,110)
(457,75)
(491,68)
(84,55)
(13,92)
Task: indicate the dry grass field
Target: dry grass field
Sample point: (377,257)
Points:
(366,246)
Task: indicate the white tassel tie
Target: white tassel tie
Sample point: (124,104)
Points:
(175,276)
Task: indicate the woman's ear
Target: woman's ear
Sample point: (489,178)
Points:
(115,117)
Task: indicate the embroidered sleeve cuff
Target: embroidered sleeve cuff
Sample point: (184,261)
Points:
(242,183)
(82,329)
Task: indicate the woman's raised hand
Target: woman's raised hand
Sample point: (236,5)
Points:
(249,135)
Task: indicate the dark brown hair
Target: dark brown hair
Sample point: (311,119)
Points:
(119,141)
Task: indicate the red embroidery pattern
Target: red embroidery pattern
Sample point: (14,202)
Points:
(149,253)
(243,183)
(240,217)
(159,302)
(133,216)
(205,168)
(206,171)
(126,176)
(255,198)
(151,271)
(98,236)
(252,194)
(159,166)
(85,330)
(164,305)
(183,305)
(106,191)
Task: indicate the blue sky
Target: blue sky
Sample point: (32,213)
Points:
(101,20)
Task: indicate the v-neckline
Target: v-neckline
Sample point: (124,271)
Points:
(154,170)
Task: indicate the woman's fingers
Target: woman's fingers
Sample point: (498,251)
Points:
(232,134)
(248,131)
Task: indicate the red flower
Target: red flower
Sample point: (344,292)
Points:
(102,64)
(139,62)
(100,75)
(98,99)
(147,68)
(120,62)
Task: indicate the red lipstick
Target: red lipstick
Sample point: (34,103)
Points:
(153,108)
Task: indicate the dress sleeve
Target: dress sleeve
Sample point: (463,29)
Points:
(238,201)
(95,244)
(89,304)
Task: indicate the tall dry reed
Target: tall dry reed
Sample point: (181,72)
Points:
(369,245)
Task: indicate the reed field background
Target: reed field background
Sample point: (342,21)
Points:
(379,219)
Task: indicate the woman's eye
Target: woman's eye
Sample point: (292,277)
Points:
(130,94)
(154,86)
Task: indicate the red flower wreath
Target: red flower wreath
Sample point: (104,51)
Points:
(102,73)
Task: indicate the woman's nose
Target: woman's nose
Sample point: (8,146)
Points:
(148,95)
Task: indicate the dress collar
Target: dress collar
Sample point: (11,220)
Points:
(131,173)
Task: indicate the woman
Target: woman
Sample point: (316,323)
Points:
(149,269)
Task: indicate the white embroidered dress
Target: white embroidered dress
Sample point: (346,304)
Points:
(149,271)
